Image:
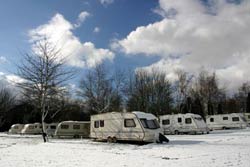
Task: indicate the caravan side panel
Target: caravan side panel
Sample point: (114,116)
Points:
(122,126)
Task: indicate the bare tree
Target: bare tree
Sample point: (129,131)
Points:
(182,88)
(96,90)
(207,90)
(242,95)
(44,76)
(119,81)
(150,92)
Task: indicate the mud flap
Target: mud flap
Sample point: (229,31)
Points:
(163,138)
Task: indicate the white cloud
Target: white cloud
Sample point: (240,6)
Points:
(106,2)
(166,66)
(3,60)
(96,30)
(192,35)
(59,32)
(9,81)
(81,18)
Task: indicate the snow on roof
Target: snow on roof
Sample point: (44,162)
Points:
(140,114)
(74,122)
(232,114)
(179,114)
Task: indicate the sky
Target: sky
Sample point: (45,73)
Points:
(132,34)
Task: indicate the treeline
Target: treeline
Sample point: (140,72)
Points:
(103,91)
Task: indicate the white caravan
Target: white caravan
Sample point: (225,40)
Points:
(35,128)
(247,117)
(183,123)
(16,129)
(73,129)
(126,126)
(226,121)
(50,129)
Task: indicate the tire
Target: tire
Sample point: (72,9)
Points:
(176,132)
(114,140)
(109,139)
(76,136)
(224,128)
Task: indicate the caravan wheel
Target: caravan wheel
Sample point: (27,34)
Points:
(114,140)
(76,136)
(109,140)
(176,132)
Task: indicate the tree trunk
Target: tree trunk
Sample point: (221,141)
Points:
(44,135)
(248,103)
(43,118)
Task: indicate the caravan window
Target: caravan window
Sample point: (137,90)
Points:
(244,119)
(225,118)
(198,118)
(179,120)
(129,123)
(153,124)
(101,123)
(96,124)
(236,119)
(64,126)
(165,122)
(76,126)
(211,119)
(150,124)
(15,127)
(188,120)
(53,127)
(144,123)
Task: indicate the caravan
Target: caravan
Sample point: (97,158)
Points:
(34,129)
(50,129)
(126,126)
(226,121)
(183,123)
(73,129)
(16,129)
(247,117)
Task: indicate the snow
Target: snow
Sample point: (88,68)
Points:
(220,148)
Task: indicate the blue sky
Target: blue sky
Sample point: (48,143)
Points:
(115,20)
(167,35)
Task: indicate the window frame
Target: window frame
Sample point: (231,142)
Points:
(96,124)
(238,119)
(187,122)
(53,127)
(76,125)
(165,120)
(101,123)
(125,123)
(225,118)
(64,126)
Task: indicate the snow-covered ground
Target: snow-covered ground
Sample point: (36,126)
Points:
(220,148)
